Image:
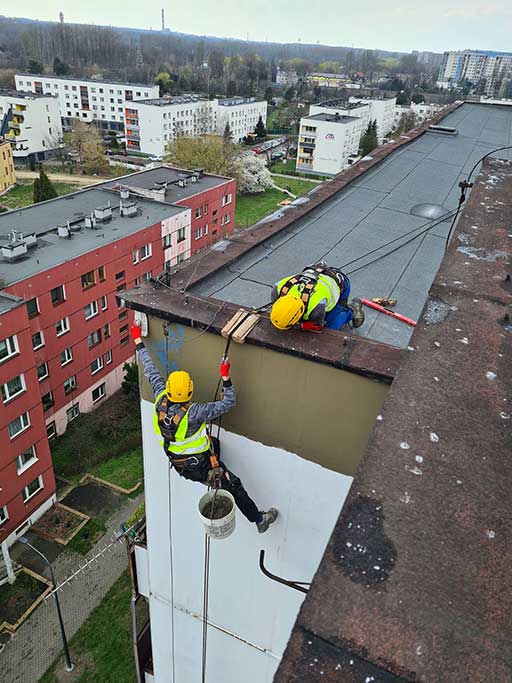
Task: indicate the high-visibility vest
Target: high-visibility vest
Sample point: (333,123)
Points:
(181,445)
(326,288)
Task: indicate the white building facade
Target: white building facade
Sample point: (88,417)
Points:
(88,100)
(474,66)
(382,110)
(326,142)
(241,113)
(31,123)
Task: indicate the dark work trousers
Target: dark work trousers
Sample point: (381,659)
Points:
(230,482)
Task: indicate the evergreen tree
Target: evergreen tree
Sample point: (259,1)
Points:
(36,191)
(289,94)
(269,94)
(35,67)
(59,67)
(43,188)
(369,139)
(227,133)
(260,129)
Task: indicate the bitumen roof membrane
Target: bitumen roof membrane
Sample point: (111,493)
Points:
(369,213)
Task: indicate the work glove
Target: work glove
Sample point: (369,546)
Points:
(310,327)
(224,368)
(135,331)
(214,477)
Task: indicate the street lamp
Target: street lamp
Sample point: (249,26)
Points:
(69,663)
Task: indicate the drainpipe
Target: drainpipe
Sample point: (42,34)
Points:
(8,563)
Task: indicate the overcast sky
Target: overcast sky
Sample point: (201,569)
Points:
(403,26)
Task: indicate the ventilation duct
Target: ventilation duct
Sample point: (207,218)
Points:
(90,221)
(129,209)
(103,213)
(64,231)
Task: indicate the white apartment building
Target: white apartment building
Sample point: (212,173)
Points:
(382,110)
(31,123)
(326,141)
(360,110)
(88,100)
(242,114)
(474,66)
(154,123)
(286,77)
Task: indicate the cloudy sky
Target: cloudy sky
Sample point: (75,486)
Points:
(403,26)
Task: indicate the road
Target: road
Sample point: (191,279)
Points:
(63,177)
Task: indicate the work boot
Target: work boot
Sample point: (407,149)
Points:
(268,518)
(358,314)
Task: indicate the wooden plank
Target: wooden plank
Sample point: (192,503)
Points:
(246,328)
(233,322)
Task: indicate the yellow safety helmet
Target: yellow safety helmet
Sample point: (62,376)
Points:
(286,311)
(179,387)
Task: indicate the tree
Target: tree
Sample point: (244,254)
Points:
(369,140)
(231,89)
(227,133)
(130,383)
(402,98)
(406,123)
(269,94)
(60,68)
(253,175)
(289,94)
(216,63)
(35,67)
(260,129)
(87,143)
(210,152)
(43,188)
(417,98)
(164,82)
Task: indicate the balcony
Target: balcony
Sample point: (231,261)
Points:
(307,145)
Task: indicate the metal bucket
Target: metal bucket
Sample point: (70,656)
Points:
(224,526)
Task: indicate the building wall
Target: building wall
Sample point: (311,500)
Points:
(84,99)
(178,250)
(382,111)
(7,173)
(362,113)
(15,323)
(242,118)
(334,142)
(35,126)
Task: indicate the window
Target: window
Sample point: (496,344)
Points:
(94,339)
(51,430)
(227,218)
(42,371)
(88,280)
(106,330)
(37,341)
(66,356)
(34,487)
(120,276)
(13,388)
(180,258)
(124,341)
(98,393)
(18,425)
(181,234)
(32,307)
(135,255)
(4,515)
(96,365)
(58,295)
(70,384)
(145,251)
(120,288)
(146,277)
(205,230)
(205,209)
(91,310)
(47,400)
(101,274)
(104,303)
(108,357)
(198,233)
(166,241)
(123,329)
(62,327)
(199,212)
(9,347)
(26,459)
(73,412)
(123,315)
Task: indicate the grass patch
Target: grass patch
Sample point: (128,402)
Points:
(22,194)
(124,470)
(105,632)
(88,536)
(288,168)
(298,187)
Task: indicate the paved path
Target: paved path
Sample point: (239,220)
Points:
(294,177)
(37,642)
(63,177)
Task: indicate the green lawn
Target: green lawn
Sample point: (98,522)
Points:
(21,195)
(88,536)
(250,208)
(104,641)
(124,470)
(288,168)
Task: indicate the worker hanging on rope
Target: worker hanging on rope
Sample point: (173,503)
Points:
(183,426)
(314,299)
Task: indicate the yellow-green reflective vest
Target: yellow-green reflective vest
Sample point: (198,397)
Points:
(325,288)
(199,442)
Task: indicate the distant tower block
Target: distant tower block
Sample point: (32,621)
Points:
(163,19)
(61,17)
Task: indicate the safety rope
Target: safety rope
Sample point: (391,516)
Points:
(206,590)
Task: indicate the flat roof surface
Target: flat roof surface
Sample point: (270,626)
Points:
(91,81)
(8,302)
(331,118)
(369,213)
(24,95)
(340,104)
(170,101)
(51,249)
(167,174)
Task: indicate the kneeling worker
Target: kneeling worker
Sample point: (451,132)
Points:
(186,440)
(314,299)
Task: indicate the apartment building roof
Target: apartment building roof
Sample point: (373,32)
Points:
(92,81)
(331,118)
(169,177)
(43,220)
(171,101)
(25,95)
(8,302)
(360,226)
(328,75)
(340,104)
(235,101)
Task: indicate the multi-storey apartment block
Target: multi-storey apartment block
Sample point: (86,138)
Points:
(241,113)
(7,173)
(474,66)
(326,141)
(382,110)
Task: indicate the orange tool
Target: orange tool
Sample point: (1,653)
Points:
(381,309)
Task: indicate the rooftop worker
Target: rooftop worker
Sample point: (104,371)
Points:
(183,426)
(314,299)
